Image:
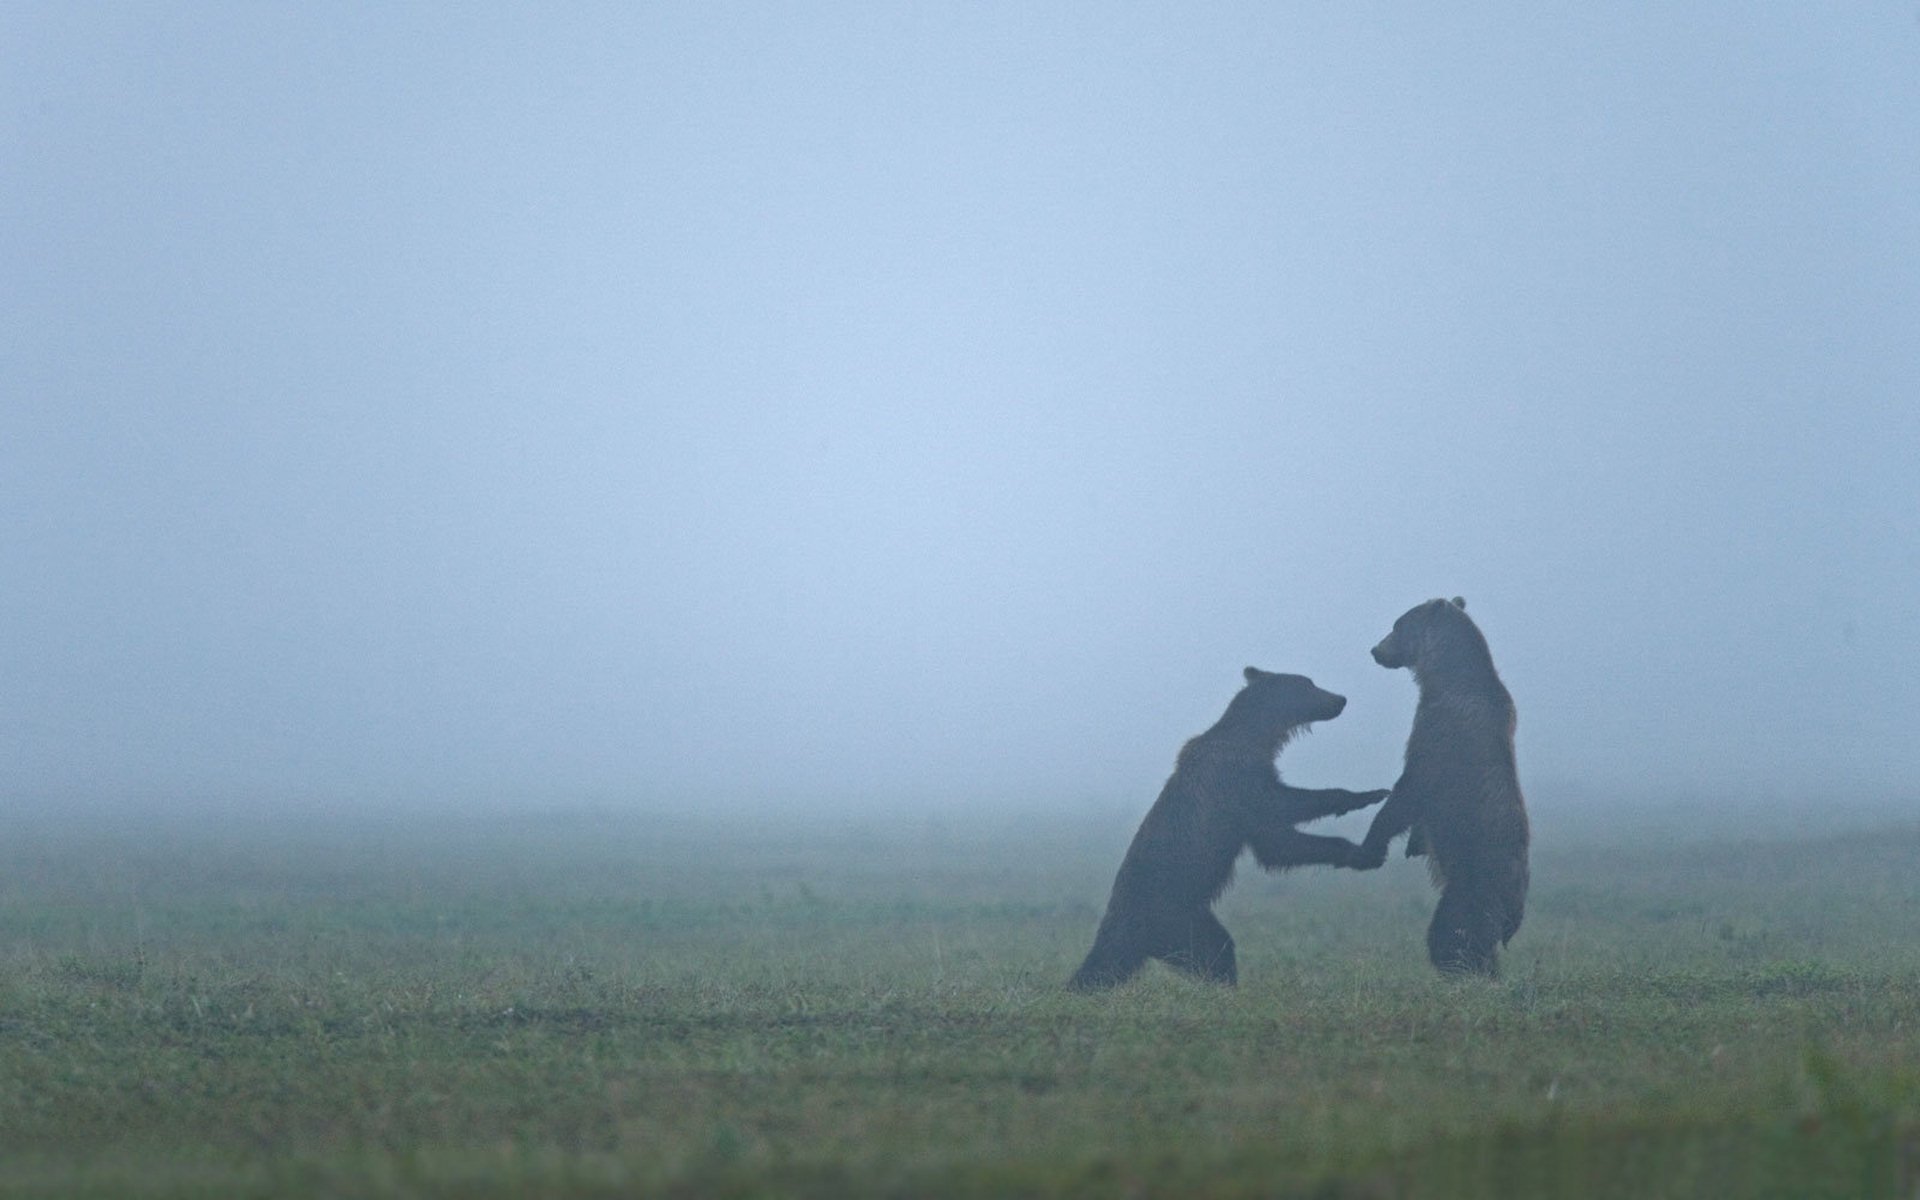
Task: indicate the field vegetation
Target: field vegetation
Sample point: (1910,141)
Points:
(601,1003)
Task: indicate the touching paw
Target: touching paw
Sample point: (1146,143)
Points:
(1366,799)
(1367,857)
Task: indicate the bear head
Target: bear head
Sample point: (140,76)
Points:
(1276,701)
(1417,630)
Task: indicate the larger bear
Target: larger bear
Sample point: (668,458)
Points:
(1225,795)
(1460,791)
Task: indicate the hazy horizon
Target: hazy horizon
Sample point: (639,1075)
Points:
(681,405)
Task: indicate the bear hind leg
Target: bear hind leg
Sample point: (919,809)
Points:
(1113,960)
(1197,944)
(1464,938)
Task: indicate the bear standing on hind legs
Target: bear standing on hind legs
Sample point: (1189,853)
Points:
(1224,795)
(1460,792)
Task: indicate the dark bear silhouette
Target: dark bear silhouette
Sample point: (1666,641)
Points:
(1224,794)
(1459,793)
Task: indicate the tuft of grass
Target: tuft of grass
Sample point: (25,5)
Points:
(608,1005)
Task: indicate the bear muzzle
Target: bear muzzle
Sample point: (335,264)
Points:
(1326,705)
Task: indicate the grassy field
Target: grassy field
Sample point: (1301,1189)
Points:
(601,1004)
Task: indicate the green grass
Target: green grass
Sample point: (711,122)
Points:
(594,1004)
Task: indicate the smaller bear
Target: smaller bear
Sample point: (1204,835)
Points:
(1224,795)
(1459,794)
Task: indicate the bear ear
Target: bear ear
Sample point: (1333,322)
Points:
(1252,673)
(1460,602)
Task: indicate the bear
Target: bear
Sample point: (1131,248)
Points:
(1224,795)
(1458,797)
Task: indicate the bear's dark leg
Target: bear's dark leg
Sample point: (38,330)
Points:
(1114,959)
(1200,946)
(1464,938)
(1392,819)
(1278,846)
(1310,804)
(1510,886)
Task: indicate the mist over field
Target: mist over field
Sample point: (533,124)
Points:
(936,406)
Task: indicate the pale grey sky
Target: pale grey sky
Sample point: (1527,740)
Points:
(940,404)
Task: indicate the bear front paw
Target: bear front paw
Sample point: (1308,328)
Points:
(1366,799)
(1367,858)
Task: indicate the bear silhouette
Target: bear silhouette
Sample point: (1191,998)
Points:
(1224,795)
(1459,793)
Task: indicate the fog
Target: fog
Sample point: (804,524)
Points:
(934,406)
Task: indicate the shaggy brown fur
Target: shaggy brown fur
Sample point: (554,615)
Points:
(1225,794)
(1460,792)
